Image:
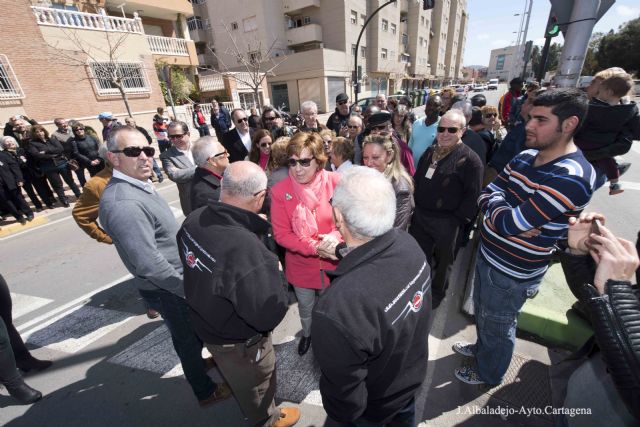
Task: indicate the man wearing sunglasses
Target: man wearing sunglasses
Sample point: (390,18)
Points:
(448,180)
(338,120)
(143,229)
(238,140)
(178,163)
(211,160)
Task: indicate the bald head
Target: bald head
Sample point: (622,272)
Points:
(456,116)
(244,185)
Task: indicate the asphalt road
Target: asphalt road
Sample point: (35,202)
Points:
(73,303)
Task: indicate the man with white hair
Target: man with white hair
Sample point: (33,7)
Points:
(211,160)
(370,327)
(235,291)
(309,111)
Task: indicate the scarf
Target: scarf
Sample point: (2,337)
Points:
(303,221)
(264,159)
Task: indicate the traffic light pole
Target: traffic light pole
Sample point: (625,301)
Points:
(542,67)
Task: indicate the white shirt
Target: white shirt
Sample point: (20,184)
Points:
(188,154)
(343,167)
(246,140)
(145,185)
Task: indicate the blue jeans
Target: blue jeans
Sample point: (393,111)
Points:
(406,417)
(175,313)
(497,300)
(157,170)
(601,177)
(203,130)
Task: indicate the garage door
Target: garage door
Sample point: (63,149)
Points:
(309,90)
(336,86)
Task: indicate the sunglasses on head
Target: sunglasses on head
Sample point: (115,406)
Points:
(305,163)
(441,129)
(489,115)
(135,151)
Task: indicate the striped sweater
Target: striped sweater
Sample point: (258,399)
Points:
(523,197)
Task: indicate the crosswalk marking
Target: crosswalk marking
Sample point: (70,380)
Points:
(628,185)
(78,329)
(23,304)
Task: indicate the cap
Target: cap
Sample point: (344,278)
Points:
(379,118)
(342,97)
(476,116)
(105,115)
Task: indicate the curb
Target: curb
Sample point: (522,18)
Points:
(7,230)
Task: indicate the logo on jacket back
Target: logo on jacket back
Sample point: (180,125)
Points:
(416,302)
(192,260)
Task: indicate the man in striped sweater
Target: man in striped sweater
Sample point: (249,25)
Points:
(526,211)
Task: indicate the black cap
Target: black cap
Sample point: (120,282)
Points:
(379,118)
(478,100)
(342,97)
(476,116)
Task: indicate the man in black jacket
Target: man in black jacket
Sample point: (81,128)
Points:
(211,160)
(337,121)
(235,291)
(370,327)
(238,140)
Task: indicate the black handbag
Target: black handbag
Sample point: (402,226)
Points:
(73,165)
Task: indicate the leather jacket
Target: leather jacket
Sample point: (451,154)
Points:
(615,317)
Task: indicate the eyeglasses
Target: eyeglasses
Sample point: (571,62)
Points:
(267,119)
(488,116)
(135,151)
(244,119)
(223,153)
(265,191)
(78,129)
(266,144)
(177,136)
(305,163)
(353,126)
(342,102)
(441,129)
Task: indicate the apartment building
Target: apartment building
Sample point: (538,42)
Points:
(315,41)
(502,64)
(448,38)
(55,57)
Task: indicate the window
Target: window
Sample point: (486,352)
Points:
(385,25)
(354,17)
(201,48)
(363,51)
(363,19)
(383,53)
(405,40)
(254,57)
(132,75)
(197,1)
(194,23)
(306,20)
(353,50)
(422,20)
(249,24)
(64,7)
(420,42)
(9,84)
(234,26)
(393,28)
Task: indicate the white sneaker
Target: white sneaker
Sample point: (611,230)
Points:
(464,349)
(469,375)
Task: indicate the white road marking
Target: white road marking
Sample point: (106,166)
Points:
(74,331)
(636,147)
(23,304)
(65,308)
(628,185)
(313,398)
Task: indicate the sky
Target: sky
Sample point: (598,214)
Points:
(492,24)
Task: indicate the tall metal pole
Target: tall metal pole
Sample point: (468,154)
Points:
(542,67)
(524,38)
(514,65)
(355,61)
(576,41)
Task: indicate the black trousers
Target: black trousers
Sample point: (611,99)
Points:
(19,349)
(54,176)
(12,202)
(33,185)
(437,238)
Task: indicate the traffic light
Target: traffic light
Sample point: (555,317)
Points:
(553,29)
(428,4)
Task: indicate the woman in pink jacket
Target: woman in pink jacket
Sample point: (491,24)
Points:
(302,221)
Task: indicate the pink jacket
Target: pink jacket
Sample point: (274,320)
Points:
(303,268)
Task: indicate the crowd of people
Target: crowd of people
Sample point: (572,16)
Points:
(363,217)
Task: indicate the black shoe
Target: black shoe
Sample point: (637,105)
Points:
(31,363)
(23,393)
(623,167)
(22,220)
(65,203)
(30,217)
(303,346)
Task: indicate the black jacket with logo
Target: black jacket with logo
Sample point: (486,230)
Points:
(370,329)
(231,280)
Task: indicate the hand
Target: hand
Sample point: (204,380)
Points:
(20,184)
(344,131)
(328,238)
(616,258)
(278,121)
(328,251)
(580,229)
(534,232)
(95,162)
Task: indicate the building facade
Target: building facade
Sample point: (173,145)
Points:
(314,44)
(502,64)
(59,59)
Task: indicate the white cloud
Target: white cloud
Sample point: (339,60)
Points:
(627,11)
(483,36)
(540,41)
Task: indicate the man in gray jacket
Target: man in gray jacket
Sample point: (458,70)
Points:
(143,230)
(178,162)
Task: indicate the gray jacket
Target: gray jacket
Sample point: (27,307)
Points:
(180,170)
(143,230)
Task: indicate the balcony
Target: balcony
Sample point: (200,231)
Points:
(173,50)
(302,35)
(165,9)
(292,6)
(86,21)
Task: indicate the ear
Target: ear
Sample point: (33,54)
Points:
(113,159)
(570,124)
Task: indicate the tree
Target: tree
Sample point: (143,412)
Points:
(257,61)
(591,65)
(555,50)
(621,49)
(535,58)
(181,87)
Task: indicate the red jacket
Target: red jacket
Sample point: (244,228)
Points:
(303,268)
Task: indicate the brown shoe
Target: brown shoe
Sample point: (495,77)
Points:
(288,417)
(222,392)
(209,363)
(152,314)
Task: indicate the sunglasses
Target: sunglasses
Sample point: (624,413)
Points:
(266,144)
(244,119)
(441,129)
(305,163)
(266,191)
(177,136)
(353,126)
(224,153)
(135,151)
(268,119)
(379,127)
(342,102)
(488,116)
(77,129)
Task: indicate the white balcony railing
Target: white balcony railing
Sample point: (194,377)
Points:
(86,21)
(168,46)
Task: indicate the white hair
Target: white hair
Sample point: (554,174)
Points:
(243,179)
(203,149)
(5,140)
(367,201)
(465,109)
(309,105)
